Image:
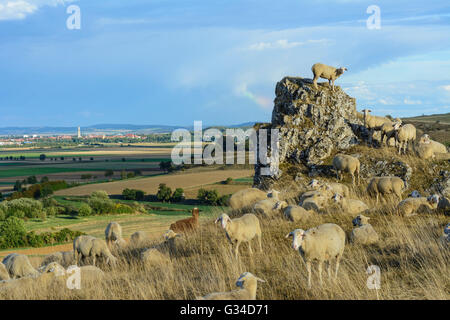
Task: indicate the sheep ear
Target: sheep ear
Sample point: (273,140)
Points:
(217,220)
(260,280)
(289,234)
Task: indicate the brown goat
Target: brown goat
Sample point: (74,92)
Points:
(188,224)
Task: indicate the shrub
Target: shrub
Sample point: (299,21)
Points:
(101,205)
(133,194)
(109,173)
(123,208)
(164,193)
(228,181)
(100,194)
(20,208)
(52,211)
(212,197)
(178,195)
(84,210)
(13,233)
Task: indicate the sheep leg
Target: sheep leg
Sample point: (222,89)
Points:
(338,258)
(320,273)
(353,179)
(250,248)
(308,268)
(93,261)
(329,270)
(260,244)
(236,250)
(315,81)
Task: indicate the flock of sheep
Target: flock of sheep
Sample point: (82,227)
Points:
(322,244)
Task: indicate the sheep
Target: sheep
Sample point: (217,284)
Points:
(152,257)
(19,266)
(186,225)
(414,194)
(411,206)
(404,134)
(436,146)
(364,233)
(388,131)
(138,237)
(113,233)
(314,200)
(4,274)
(246,198)
(248,284)
(269,207)
(374,123)
(242,229)
(351,206)
(297,214)
(346,163)
(64,258)
(87,273)
(425,151)
(322,243)
(326,72)
(87,246)
(273,194)
(333,187)
(385,186)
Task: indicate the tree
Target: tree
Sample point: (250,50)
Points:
(46,190)
(166,166)
(13,232)
(18,186)
(123,174)
(178,195)
(31,180)
(42,157)
(164,193)
(44,179)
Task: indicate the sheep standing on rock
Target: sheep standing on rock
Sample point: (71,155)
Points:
(89,247)
(248,284)
(64,258)
(19,266)
(186,225)
(346,163)
(242,229)
(326,72)
(352,206)
(246,198)
(322,243)
(113,234)
(374,123)
(411,206)
(404,134)
(364,233)
(385,186)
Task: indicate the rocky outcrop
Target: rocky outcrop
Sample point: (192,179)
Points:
(313,124)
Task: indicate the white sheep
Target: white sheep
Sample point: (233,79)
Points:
(388,131)
(412,206)
(153,257)
(113,234)
(242,229)
(19,266)
(404,134)
(315,200)
(326,72)
(246,198)
(297,214)
(322,243)
(363,233)
(247,283)
(352,206)
(138,237)
(87,273)
(436,146)
(4,274)
(374,123)
(346,163)
(334,187)
(269,207)
(385,186)
(64,258)
(89,247)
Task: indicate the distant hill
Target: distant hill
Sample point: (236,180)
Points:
(443,118)
(104,129)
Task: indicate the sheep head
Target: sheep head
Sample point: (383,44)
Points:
(224,219)
(55,268)
(447,229)
(314,184)
(425,139)
(340,71)
(195,212)
(433,200)
(273,194)
(365,115)
(170,234)
(360,220)
(246,277)
(415,194)
(337,197)
(298,237)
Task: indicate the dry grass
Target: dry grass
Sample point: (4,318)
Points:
(413,263)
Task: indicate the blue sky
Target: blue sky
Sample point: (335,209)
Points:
(176,61)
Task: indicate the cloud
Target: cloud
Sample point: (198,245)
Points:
(411,102)
(20,9)
(16,10)
(282,44)
(446,87)
(122,21)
